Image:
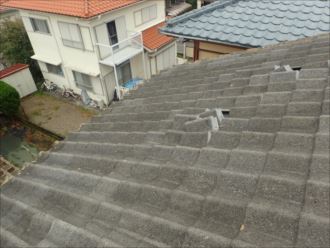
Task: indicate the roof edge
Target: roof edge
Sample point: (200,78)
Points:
(12,70)
(207,40)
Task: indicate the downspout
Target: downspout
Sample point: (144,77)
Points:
(207,40)
(117,84)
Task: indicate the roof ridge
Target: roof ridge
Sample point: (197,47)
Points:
(200,11)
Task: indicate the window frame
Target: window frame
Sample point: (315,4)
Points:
(147,9)
(66,40)
(83,85)
(48,65)
(34,26)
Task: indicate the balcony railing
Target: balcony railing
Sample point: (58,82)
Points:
(121,51)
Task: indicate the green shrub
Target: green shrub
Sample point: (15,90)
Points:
(9,99)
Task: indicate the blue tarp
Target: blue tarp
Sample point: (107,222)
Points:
(132,83)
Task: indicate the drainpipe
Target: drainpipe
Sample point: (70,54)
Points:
(117,84)
(143,59)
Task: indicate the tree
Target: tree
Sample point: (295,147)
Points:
(16,47)
(9,99)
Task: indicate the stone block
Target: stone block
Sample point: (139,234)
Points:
(256,141)
(211,158)
(246,161)
(224,140)
(293,143)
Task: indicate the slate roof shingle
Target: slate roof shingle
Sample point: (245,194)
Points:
(253,23)
(156,170)
(78,8)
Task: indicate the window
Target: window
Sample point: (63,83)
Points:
(112,32)
(145,15)
(39,25)
(82,80)
(55,69)
(71,35)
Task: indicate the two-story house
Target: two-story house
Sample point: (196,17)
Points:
(97,45)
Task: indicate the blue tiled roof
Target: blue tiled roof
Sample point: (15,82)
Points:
(253,23)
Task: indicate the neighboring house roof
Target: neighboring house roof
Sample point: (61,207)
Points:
(2,8)
(153,39)
(163,168)
(253,23)
(78,8)
(12,69)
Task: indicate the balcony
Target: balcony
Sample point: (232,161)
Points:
(118,53)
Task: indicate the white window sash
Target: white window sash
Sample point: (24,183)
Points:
(39,25)
(83,80)
(71,35)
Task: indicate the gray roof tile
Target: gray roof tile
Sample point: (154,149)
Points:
(257,23)
(164,168)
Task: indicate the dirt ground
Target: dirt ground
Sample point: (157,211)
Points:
(58,116)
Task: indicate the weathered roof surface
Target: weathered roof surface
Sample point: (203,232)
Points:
(159,169)
(12,69)
(253,23)
(78,8)
(153,39)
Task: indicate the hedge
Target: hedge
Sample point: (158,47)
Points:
(9,99)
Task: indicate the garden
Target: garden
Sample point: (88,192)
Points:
(19,142)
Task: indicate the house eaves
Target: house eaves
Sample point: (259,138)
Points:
(85,9)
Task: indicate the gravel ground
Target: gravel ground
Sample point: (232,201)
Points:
(58,116)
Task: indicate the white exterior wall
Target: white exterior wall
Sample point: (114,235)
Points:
(137,66)
(163,59)
(22,81)
(51,46)
(87,61)
(128,13)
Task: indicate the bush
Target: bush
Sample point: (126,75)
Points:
(9,99)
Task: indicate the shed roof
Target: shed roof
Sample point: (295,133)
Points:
(253,23)
(78,8)
(164,168)
(12,69)
(153,39)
